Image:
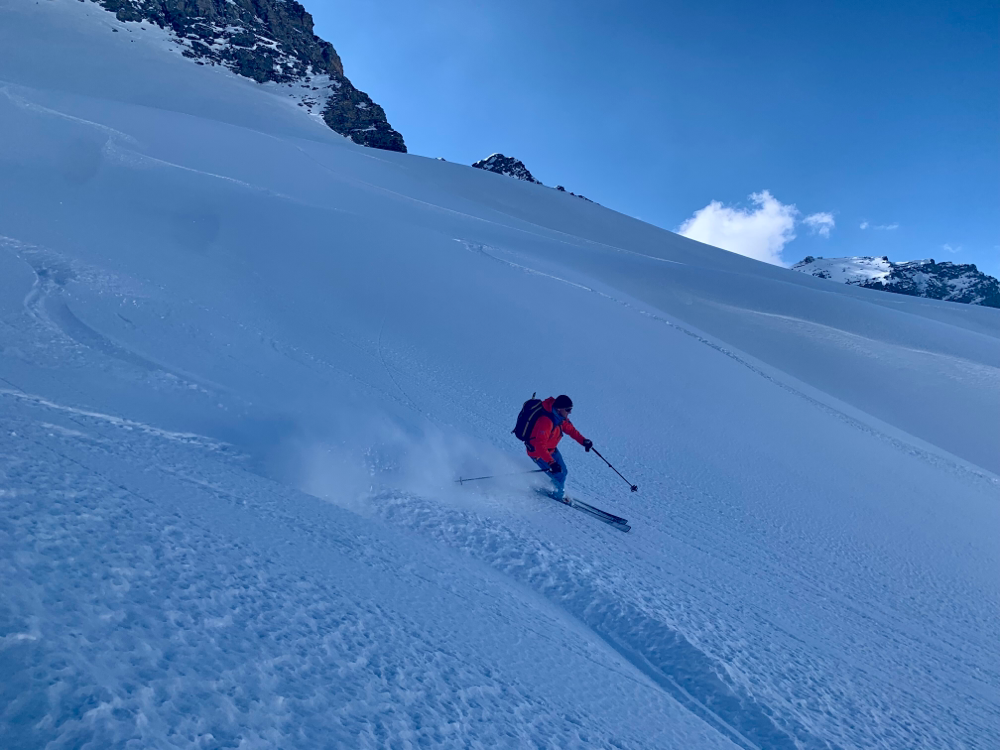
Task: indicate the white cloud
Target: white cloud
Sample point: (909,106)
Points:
(758,233)
(950,249)
(864,224)
(820,223)
(880,227)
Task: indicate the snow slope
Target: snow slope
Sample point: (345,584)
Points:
(242,361)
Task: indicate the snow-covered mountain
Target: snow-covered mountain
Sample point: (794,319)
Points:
(243,361)
(267,41)
(954,282)
(506,165)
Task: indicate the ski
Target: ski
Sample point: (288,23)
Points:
(609,518)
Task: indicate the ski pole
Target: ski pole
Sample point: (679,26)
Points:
(633,487)
(460,480)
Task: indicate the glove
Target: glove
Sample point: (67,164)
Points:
(587,445)
(554,467)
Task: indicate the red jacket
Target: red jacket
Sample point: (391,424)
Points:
(546,434)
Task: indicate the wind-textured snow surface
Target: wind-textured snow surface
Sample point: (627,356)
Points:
(242,361)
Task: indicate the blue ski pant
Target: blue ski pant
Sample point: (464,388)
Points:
(559,480)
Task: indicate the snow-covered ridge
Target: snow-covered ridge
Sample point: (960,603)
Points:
(952,282)
(269,41)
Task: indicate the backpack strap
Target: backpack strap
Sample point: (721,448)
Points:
(530,426)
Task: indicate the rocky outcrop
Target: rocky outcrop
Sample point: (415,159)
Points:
(506,165)
(511,167)
(561,189)
(269,41)
(952,282)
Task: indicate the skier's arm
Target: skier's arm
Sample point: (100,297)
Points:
(569,429)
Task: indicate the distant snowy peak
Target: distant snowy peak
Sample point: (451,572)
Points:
(953,282)
(506,165)
(269,41)
(858,271)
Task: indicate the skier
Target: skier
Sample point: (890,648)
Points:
(550,424)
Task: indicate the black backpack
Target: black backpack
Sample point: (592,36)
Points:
(530,413)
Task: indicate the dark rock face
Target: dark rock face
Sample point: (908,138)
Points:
(506,165)
(955,282)
(352,113)
(268,40)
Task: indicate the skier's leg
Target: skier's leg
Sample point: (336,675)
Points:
(559,480)
(544,466)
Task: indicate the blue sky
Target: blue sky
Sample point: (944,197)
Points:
(882,117)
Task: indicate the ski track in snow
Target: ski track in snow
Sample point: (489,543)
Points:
(482,250)
(126,424)
(67,333)
(24,103)
(639,623)
(579,585)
